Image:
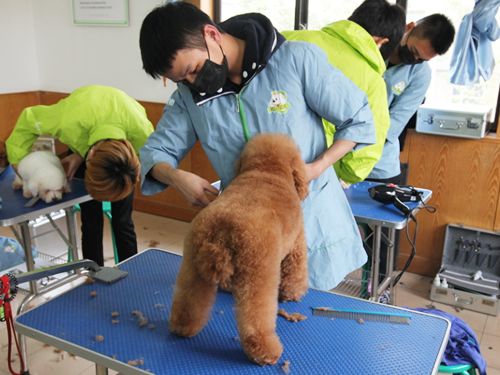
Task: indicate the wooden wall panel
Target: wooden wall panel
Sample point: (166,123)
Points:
(11,106)
(464,177)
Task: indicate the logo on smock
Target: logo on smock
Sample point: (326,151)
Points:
(399,88)
(278,102)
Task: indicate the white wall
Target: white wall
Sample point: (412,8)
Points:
(18,60)
(68,56)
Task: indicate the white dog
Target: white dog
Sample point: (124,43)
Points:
(42,175)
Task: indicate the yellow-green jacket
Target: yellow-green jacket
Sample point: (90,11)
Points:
(88,115)
(351,49)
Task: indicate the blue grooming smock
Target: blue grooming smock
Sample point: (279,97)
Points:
(406,88)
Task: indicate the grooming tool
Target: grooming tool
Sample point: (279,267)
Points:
(480,259)
(460,251)
(106,275)
(373,316)
(32,202)
(492,260)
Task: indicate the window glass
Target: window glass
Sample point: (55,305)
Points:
(324,12)
(280,12)
(441,91)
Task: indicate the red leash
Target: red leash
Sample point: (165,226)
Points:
(4,291)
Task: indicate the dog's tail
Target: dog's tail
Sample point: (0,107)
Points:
(214,264)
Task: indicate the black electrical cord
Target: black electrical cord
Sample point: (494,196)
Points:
(409,216)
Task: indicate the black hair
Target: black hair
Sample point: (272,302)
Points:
(438,29)
(168,29)
(380,18)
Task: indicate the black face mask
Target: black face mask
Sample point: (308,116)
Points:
(406,56)
(211,77)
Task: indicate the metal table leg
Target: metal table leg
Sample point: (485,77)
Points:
(100,370)
(377,231)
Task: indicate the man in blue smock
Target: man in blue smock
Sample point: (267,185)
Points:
(407,78)
(241,78)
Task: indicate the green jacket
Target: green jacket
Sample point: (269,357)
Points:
(351,49)
(88,115)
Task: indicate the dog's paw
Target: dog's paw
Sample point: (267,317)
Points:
(16,185)
(185,327)
(27,194)
(263,350)
(291,292)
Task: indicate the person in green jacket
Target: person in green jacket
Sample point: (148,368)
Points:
(358,47)
(104,129)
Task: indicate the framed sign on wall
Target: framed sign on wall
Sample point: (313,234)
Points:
(100,12)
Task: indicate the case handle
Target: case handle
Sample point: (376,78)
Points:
(461,300)
(458,125)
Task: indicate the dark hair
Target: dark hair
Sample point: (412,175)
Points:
(438,29)
(168,29)
(379,18)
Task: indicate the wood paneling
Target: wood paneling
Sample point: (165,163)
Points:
(463,175)
(11,106)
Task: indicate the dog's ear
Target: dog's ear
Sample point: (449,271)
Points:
(300,177)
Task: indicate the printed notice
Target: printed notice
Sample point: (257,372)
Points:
(100,12)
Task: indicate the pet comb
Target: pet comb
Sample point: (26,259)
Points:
(364,315)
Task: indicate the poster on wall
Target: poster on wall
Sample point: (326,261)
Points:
(100,12)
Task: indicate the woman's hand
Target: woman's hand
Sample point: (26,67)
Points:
(71,163)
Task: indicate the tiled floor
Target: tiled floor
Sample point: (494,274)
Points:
(160,232)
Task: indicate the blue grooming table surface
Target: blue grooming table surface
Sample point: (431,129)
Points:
(13,210)
(316,345)
(369,211)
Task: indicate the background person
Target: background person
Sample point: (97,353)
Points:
(104,127)
(407,79)
(358,47)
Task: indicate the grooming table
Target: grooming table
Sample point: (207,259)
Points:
(368,211)
(317,345)
(13,212)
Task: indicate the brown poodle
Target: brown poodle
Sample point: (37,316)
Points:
(250,240)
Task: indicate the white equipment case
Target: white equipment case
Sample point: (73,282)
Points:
(466,121)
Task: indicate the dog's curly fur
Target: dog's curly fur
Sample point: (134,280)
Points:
(250,240)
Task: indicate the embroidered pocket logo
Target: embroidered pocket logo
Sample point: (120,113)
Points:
(399,88)
(278,102)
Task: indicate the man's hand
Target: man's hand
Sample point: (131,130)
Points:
(192,187)
(334,153)
(71,163)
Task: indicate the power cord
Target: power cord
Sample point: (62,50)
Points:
(409,216)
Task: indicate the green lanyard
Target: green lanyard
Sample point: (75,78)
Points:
(242,115)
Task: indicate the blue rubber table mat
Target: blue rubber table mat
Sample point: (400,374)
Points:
(367,210)
(316,345)
(13,210)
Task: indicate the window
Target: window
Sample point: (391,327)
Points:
(441,91)
(280,12)
(322,12)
